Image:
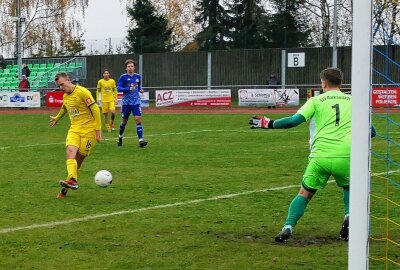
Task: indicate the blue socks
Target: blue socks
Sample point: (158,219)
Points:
(139,131)
(121,129)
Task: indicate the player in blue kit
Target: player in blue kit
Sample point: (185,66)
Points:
(130,85)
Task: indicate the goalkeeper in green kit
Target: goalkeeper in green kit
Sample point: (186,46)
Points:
(330,147)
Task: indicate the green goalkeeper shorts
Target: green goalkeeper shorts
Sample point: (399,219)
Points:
(319,170)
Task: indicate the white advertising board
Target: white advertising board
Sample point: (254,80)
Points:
(268,97)
(19,99)
(144,100)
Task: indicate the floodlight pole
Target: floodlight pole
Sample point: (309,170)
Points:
(141,64)
(334,46)
(209,70)
(20,20)
(285,47)
(361,81)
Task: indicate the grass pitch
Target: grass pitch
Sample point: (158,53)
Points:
(207,193)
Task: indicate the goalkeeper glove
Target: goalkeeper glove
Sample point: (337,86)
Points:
(259,121)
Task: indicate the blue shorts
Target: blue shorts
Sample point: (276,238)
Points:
(127,110)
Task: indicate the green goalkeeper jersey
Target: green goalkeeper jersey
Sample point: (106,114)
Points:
(331,112)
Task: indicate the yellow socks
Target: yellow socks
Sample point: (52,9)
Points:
(72,169)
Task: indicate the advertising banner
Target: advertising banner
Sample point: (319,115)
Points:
(217,97)
(385,96)
(19,99)
(256,97)
(54,99)
(144,100)
(287,97)
(268,97)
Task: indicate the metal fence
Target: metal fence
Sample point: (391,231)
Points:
(235,67)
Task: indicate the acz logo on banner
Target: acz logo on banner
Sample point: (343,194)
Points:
(194,97)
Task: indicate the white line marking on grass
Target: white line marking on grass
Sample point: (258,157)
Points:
(149,135)
(125,137)
(34,145)
(190,132)
(383,173)
(131,211)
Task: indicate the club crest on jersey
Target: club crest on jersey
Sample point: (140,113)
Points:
(88,101)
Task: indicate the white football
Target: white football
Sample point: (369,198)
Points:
(103,178)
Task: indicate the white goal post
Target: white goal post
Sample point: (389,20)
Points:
(361,81)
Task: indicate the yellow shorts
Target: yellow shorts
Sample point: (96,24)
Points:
(84,143)
(108,106)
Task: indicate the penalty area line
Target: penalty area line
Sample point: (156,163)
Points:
(131,211)
(149,135)
(170,205)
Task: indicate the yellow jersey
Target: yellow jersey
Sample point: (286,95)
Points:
(107,89)
(82,109)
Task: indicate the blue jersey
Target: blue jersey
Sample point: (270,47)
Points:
(125,82)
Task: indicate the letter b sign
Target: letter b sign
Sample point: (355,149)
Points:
(296,59)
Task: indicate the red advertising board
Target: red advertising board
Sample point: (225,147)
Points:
(385,96)
(54,99)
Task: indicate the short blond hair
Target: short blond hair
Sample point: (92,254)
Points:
(61,75)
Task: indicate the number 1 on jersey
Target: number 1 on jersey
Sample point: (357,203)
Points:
(336,107)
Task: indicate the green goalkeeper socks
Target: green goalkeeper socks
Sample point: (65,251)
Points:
(346,200)
(296,210)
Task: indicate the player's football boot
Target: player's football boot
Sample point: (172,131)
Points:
(119,143)
(284,235)
(112,126)
(344,231)
(142,143)
(62,194)
(71,183)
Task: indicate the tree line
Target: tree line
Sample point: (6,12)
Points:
(51,27)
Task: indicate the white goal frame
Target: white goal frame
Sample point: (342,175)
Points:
(361,80)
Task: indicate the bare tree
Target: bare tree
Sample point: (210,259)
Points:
(180,15)
(50,25)
(320,14)
(386,29)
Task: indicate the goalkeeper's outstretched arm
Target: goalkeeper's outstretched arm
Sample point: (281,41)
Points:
(286,122)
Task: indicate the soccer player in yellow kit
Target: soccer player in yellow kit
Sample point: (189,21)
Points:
(107,89)
(84,131)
